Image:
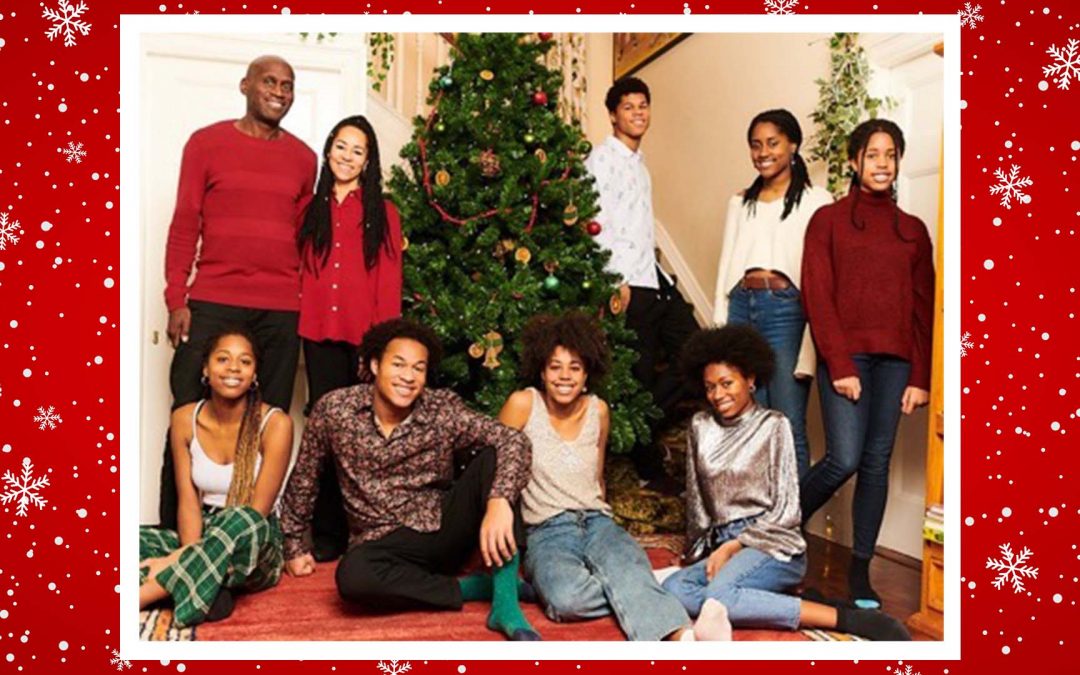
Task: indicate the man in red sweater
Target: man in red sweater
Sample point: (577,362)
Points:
(235,227)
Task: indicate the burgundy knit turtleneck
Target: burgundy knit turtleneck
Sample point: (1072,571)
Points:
(868,285)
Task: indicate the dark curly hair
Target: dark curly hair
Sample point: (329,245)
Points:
(737,345)
(380,335)
(622,87)
(574,331)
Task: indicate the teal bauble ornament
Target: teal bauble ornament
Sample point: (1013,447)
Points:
(445,82)
(551,283)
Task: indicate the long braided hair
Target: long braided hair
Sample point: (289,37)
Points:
(800,176)
(242,486)
(857,144)
(316,232)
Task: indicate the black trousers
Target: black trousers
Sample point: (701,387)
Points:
(330,365)
(407,569)
(663,321)
(275,334)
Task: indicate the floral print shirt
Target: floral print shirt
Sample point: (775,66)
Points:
(388,483)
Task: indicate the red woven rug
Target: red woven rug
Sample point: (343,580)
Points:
(308,608)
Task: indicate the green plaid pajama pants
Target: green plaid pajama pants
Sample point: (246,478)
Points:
(239,549)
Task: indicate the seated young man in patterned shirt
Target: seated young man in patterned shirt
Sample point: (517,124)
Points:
(412,525)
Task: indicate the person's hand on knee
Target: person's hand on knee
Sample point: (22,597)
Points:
(497,544)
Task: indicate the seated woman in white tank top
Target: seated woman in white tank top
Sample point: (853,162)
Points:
(231,452)
(580,562)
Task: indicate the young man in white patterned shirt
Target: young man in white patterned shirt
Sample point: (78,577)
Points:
(654,308)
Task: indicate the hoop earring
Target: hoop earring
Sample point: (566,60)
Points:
(255,382)
(753,388)
(205,381)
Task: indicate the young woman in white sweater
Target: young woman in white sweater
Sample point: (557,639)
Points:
(761,262)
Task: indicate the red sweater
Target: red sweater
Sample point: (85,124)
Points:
(867,291)
(342,300)
(239,196)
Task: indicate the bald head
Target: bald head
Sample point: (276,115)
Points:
(262,62)
(268,88)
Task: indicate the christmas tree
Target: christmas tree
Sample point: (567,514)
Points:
(497,216)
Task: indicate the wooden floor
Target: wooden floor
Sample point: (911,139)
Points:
(895,577)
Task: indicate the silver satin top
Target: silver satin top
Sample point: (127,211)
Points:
(743,468)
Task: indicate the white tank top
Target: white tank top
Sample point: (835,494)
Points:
(211,479)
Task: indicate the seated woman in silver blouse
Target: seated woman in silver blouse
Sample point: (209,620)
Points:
(744,546)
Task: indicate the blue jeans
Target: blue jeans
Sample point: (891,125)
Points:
(778,316)
(584,566)
(750,585)
(859,436)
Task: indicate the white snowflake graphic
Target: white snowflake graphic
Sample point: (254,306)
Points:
(74,152)
(969,15)
(1066,65)
(905,670)
(1011,187)
(66,19)
(23,489)
(965,344)
(1012,568)
(47,417)
(781,6)
(9,231)
(119,662)
(393,667)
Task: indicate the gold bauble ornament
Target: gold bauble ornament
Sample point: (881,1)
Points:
(476,350)
(523,255)
(404,243)
(442,178)
(570,215)
(487,75)
(541,156)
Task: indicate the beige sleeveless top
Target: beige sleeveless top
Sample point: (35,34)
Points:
(565,474)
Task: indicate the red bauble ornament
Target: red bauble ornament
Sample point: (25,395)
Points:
(544,37)
(540,98)
(593,228)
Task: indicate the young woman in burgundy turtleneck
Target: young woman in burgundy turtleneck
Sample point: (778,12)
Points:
(868,288)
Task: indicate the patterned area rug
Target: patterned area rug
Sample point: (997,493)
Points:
(157,624)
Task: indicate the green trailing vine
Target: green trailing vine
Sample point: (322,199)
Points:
(380,55)
(380,58)
(843,102)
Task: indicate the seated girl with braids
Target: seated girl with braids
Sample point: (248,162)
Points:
(231,452)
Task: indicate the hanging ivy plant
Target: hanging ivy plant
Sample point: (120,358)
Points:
(380,55)
(380,58)
(843,102)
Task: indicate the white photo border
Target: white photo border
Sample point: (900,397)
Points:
(133,26)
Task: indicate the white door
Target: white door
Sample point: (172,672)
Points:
(188,82)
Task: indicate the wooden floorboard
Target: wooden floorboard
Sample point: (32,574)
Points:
(895,577)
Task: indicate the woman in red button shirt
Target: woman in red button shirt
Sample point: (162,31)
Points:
(350,279)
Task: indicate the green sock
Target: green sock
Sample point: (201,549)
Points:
(476,587)
(506,616)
